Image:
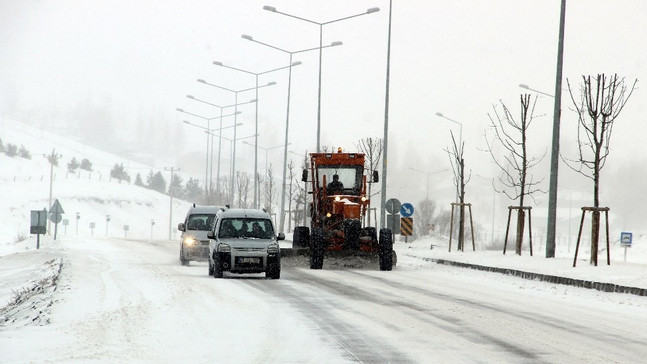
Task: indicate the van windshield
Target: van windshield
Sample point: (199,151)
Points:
(200,222)
(246,228)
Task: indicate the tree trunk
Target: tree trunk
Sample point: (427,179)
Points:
(461,220)
(521,221)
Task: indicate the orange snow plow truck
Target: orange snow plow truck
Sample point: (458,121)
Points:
(339,205)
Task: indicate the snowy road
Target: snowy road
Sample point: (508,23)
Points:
(132,301)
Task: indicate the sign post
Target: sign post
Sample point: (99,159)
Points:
(625,241)
(55,215)
(38,224)
(393,206)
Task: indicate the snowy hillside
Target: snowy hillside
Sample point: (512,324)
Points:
(25,183)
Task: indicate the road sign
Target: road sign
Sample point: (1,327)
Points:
(406,226)
(38,222)
(625,239)
(56,208)
(391,223)
(55,218)
(406,209)
(392,206)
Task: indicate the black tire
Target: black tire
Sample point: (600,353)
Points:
(352,232)
(273,271)
(317,249)
(301,237)
(371,232)
(210,267)
(386,250)
(182,260)
(217,267)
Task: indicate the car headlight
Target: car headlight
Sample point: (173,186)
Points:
(273,248)
(224,248)
(190,241)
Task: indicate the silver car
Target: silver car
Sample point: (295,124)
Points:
(243,241)
(194,243)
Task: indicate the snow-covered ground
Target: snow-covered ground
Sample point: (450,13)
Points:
(33,282)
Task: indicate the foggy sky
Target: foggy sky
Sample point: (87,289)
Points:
(114,72)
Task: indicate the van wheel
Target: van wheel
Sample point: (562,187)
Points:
(182,260)
(210,267)
(217,267)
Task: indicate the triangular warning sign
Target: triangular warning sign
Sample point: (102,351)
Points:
(56,208)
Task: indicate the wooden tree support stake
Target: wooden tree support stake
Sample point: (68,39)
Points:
(507,229)
(451,225)
(579,235)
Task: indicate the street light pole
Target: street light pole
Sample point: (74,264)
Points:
(287,118)
(256,75)
(320,24)
(236,92)
(385,146)
(206,178)
(220,138)
(554,157)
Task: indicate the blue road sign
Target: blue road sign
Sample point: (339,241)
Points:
(406,210)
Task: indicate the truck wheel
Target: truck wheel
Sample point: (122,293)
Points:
(182,260)
(301,237)
(317,249)
(217,267)
(386,250)
(352,232)
(371,232)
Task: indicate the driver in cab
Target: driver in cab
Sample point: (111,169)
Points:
(335,187)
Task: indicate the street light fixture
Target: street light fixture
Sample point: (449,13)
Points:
(524,86)
(256,74)
(460,142)
(320,24)
(287,117)
(236,92)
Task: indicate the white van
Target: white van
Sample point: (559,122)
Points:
(194,243)
(244,241)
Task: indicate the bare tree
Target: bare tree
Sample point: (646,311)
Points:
(291,191)
(460,181)
(512,136)
(242,185)
(270,190)
(601,100)
(372,149)
(424,217)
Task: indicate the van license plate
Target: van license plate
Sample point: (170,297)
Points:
(248,260)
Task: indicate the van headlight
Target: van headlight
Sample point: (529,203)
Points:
(224,248)
(273,248)
(190,241)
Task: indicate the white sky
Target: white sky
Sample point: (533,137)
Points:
(138,60)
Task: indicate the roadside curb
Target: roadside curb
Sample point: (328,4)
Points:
(600,286)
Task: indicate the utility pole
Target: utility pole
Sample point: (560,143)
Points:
(53,160)
(170,193)
(554,157)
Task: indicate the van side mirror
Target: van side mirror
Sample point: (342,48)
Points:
(376,176)
(304,175)
(281,236)
(181,226)
(211,234)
